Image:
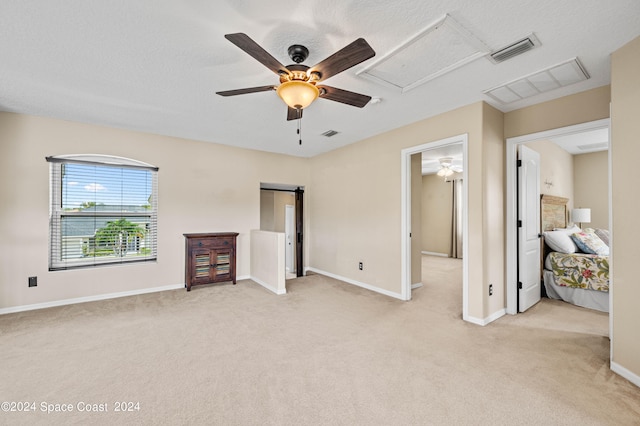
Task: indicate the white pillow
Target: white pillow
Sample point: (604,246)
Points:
(570,230)
(560,241)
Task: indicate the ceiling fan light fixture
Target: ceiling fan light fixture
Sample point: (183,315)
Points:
(445,172)
(298,94)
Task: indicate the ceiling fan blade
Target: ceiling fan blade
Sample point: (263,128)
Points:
(343,59)
(344,96)
(245,43)
(293,114)
(245,91)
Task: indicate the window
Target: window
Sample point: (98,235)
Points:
(103,210)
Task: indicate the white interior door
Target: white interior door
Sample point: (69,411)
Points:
(289,234)
(529,228)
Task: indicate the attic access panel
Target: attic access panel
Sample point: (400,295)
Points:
(441,47)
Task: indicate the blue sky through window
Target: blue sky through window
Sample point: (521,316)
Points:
(104,185)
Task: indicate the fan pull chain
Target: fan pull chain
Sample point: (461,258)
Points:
(299,128)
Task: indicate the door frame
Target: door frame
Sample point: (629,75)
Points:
(405,250)
(298,192)
(512,200)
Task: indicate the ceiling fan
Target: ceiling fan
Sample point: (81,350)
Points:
(298,83)
(447,168)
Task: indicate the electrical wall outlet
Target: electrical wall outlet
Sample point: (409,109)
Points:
(33,281)
(360,266)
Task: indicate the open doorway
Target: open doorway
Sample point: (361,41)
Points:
(408,238)
(548,183)
(281,210)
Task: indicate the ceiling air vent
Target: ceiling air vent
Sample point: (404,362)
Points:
(330,133)
(514,49)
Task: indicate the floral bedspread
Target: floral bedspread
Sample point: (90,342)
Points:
(579,270)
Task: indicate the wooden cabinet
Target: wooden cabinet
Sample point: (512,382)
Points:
(210,258)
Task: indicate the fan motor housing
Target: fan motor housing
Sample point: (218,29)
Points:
(298,53)
(299,72)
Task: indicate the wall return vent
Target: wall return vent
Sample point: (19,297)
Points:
(514,49)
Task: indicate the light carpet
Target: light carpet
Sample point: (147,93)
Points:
(326,353)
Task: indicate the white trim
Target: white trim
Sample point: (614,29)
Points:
(611,239)
(405,228)
(488,319)
(511,199)
(357,283)
(433,253)
(268,287)
(627,374)
(416,285)
(96,298)
(110,160)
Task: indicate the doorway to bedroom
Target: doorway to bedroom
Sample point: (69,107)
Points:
(442,166)
(574,168)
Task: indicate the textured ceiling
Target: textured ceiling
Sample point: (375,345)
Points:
(154,66)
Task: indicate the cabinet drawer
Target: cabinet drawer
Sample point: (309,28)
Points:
(224,242)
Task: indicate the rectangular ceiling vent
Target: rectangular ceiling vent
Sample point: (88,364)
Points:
(514,49)
(555,77)
(330,133)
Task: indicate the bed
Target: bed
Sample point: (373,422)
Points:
(575,262)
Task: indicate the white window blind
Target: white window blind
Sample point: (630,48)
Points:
(104,210)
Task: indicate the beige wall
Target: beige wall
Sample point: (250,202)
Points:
(493,221)
(591,186)
(583,179)
(625,151)
(556,166)
(367,226)
(202,187)
(272,209)
(436,214)
(267,210)
(590,105)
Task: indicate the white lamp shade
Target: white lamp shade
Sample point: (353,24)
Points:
(581,215)
(445,171)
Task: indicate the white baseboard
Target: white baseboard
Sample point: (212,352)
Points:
(267,286)
(627,374)
(88,299)
(433,253)
(357,283)
(486,320)
(416,285)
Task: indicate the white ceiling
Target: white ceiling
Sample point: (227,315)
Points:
(584,142)
(431,158)
(155,66)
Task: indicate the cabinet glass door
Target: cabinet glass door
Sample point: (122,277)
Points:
(222,264)
(201,265)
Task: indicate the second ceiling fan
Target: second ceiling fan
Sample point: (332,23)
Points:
(298,83)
